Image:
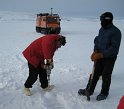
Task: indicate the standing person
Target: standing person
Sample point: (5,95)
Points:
(39,51)
(106,48)
(121,103)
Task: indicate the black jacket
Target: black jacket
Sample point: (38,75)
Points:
(108,41)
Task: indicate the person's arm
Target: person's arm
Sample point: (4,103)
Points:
(114,46)
(96,44)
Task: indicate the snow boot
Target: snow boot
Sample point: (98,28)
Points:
(49,88)
(83,92)
(27,91)
(101,97)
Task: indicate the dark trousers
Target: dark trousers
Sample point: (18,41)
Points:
(33,75)
(104,68)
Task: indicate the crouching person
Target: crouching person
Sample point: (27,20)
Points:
(39,51)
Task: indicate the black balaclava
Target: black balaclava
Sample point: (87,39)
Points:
(106,19)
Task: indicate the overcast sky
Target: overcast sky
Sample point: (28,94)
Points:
(65,7)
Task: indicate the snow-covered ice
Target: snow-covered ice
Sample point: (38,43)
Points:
(72,65)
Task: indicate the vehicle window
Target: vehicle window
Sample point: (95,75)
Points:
(51,19)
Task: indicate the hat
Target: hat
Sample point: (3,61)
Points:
(107,16)
(62,40)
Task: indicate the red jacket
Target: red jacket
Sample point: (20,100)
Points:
(121,104)
(41,49)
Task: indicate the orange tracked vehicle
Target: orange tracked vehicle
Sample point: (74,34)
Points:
(48,23)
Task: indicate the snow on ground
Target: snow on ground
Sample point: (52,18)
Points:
(72,65)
